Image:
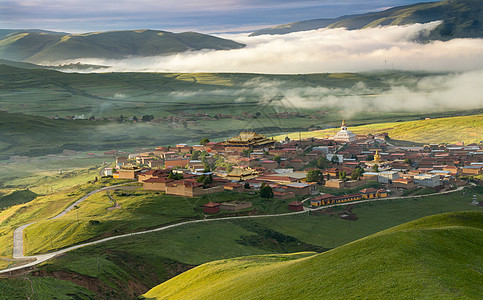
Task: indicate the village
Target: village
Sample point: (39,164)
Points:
(308,171)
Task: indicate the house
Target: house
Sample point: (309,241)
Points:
(107,172)
(320,200)
(387,176)
(269,164)
(296,206)
(382,193)
(369,193)
(211,208)
(403,183)
(335,183)
(299,188)
(128,172)
(234,186)
(427,180)
(172,163)
(190,188)
(156,183)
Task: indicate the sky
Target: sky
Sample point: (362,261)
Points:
(206,16)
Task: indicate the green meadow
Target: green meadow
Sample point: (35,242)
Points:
(149,259)
(434,257)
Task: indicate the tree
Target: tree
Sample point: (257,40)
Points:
(175,176)
(375,168)
(134,118)
(204,141)
(408,161)
(195,155)
(207,168)
(277,159)
(266,191)
(206,180)
(121,119)
(370,157)
(322,163)
(335,159)
(314,176)
(246,152)
(229,168)
(147,118)
(342,175)
(357,173)
(246,186)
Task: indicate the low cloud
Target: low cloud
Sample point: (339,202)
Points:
(318,51)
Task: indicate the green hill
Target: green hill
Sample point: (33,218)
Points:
(467,129)
(461,19)
(434,257)
(42,46)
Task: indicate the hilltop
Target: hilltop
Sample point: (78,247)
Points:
(450,130)
(461,19)
(434,257)
(46,46)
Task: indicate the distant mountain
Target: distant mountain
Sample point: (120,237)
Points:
(461,19)
(43,46)
(434,257)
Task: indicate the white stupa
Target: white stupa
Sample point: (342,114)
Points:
(344,135)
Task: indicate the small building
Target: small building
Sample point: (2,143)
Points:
(387,176)
(369,193)
(296,206)
(211,208)
(335,184)
(234,186)
(382,193)
(321,200)
(427,180)
(172,163)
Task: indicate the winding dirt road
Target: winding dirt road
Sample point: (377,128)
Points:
(18,233)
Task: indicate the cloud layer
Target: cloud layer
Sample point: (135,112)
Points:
(324,50)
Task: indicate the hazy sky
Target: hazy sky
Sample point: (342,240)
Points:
(208,16)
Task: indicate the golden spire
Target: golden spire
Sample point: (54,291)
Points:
(343,123)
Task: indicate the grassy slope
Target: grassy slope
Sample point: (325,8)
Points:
(17,197)
(139,210)
(461,19)
(468,129)
(434,257)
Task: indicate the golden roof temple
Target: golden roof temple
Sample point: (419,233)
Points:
(249,139)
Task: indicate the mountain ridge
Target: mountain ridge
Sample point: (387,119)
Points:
(37,46)
(460,19)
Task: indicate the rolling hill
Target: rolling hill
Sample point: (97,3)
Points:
(461,19)
(44,46)
(433,257)
(450,130)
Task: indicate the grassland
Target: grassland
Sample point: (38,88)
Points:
(244,101)
(468,129)
(434,257)
(156,257)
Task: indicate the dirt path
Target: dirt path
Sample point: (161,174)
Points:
(44,257)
